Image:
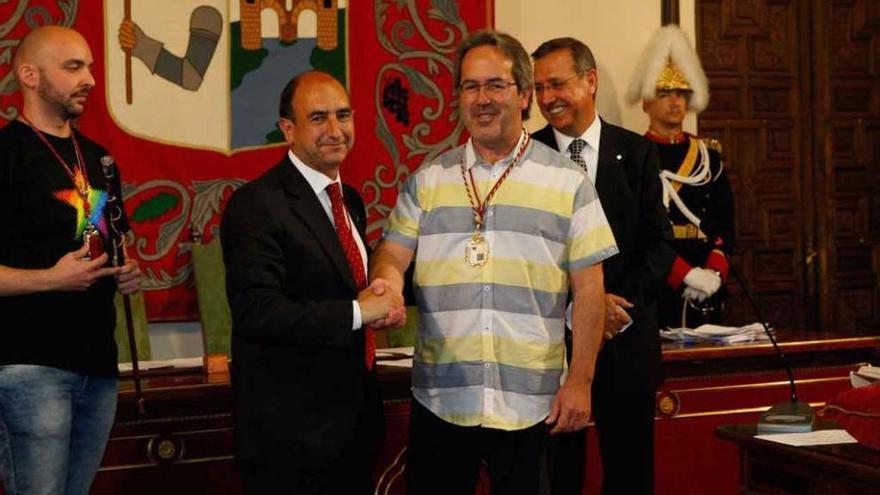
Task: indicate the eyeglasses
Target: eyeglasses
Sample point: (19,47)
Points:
(492,86)
(554,85)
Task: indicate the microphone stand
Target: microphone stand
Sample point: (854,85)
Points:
(117,241)
(786,417)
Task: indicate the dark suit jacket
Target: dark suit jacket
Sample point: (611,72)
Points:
(300,387)
(629,188)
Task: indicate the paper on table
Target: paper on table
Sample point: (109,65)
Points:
(165,363)
(394,352)
(398,363)
(819,437)
(395,356)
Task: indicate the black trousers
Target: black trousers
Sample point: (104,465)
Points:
(299,473)
(625,427)
(348,475)
(445,459)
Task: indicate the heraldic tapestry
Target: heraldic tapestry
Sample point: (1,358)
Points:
(186,100)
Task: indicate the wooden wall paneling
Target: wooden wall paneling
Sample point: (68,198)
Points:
(751,53)
(809,264)
(821,149)
(846,39)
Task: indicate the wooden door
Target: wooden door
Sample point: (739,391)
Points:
(846,121)
(756,59)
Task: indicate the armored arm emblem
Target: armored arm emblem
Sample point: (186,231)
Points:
(205,27)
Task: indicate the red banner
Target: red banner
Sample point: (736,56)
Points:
(188,137)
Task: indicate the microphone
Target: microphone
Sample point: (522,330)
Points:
(791,416)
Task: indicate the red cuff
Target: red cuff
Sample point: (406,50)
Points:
(679,269)
(718,261)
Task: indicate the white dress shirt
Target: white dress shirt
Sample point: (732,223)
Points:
(591,150)
(590,154)
(319,183)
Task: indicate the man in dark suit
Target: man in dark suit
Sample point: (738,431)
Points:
(306,404)
(624,168)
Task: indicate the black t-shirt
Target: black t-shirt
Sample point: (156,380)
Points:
(41,220)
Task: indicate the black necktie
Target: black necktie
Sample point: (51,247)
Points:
(575,148)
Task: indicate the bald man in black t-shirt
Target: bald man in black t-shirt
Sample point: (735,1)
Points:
(57,354)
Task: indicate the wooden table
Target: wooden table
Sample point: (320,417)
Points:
(709,385)
(774,468)
(184,442)
(186,439)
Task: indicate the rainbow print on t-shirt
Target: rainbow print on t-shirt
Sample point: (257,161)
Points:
(97,201)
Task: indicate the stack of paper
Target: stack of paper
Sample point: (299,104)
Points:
(401,357)
(194,362)
(716,333)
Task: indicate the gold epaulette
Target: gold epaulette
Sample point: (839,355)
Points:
(712,144)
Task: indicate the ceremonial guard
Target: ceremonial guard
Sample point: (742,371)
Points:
(669,81)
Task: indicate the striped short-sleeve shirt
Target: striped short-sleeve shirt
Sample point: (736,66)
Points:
(490,348)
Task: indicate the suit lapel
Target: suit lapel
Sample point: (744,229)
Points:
(611,157)
(305,205)
(360,223)
(607,162)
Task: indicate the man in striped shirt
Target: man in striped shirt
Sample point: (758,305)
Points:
(500,228)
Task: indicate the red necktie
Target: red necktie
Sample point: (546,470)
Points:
(353,255)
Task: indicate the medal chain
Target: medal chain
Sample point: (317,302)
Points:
(478,206)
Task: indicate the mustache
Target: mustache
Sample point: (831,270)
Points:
(489,108)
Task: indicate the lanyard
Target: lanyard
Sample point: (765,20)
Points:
(80,180)
(479,206)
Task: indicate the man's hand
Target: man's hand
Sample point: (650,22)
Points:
(571,408)
(702,279)
(616,316)
(378,302)
(74,273)
(396,318)
(387,266)
(128,280)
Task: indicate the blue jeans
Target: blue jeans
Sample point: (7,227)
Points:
(54,426)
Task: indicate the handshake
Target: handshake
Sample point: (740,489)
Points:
(701,284)
(382,305)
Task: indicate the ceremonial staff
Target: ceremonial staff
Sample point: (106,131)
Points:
(128,91)
(117,242)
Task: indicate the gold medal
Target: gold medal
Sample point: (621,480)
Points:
(476,253)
